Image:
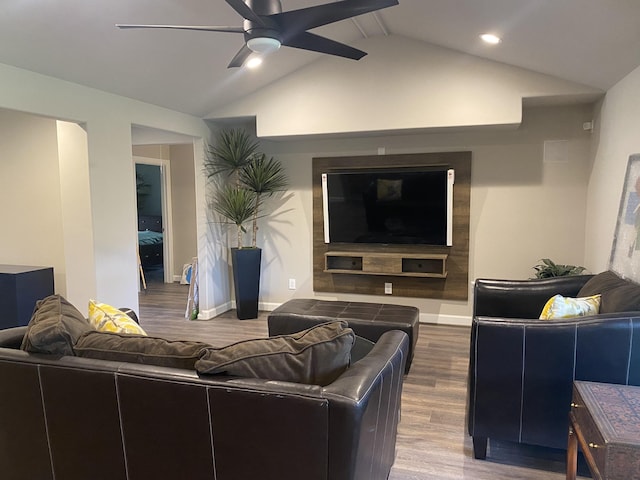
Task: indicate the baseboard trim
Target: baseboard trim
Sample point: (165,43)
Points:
(214,312)
(454,320)
(268,307)
(438,319)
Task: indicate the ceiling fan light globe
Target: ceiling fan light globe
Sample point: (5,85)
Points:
(263,45)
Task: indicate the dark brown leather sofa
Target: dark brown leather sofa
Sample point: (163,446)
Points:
(521,369)
(72,418)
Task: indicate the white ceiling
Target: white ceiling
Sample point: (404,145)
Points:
(593,42)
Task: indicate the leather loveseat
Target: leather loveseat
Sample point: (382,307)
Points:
(73,418)
(521,368)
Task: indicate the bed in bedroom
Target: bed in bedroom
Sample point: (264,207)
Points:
(150,240)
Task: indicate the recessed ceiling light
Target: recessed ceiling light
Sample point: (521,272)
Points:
(254,62)
(490,38)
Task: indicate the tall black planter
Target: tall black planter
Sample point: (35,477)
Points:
(246,280)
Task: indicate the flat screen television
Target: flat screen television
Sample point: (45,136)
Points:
(389,206)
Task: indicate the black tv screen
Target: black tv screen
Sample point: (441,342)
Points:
(388,206)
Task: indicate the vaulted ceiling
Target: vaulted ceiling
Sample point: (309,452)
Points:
(592,42)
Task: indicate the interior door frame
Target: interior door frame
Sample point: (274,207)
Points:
(167,220)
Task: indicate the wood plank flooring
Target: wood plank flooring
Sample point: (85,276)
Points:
(432,440)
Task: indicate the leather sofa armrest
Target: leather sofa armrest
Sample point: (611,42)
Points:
(389,351)
(522,298)
(12,337)
(131,313)
(364,410)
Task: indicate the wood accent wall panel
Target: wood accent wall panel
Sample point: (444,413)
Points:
(454,287)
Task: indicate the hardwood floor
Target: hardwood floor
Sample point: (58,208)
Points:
(432,441)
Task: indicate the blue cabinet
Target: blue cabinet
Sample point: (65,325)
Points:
(20,288)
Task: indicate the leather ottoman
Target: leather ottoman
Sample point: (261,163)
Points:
(368,320)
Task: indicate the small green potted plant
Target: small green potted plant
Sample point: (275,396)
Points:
(242,177)
(548,269)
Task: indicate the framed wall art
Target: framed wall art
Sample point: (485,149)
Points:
(625,253)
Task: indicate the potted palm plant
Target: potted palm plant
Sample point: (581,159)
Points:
(242,177)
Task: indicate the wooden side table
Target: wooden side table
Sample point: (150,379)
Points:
(605,422)
(20,288)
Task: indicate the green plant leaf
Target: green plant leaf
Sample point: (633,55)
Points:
(235,160)
(235,204)
(548,269)
(233,150)
(264,176)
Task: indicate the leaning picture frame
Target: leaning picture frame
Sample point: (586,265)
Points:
(625,252)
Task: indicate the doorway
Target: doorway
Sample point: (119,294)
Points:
(173,155)
(153,197)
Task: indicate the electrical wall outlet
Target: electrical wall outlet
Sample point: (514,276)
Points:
(388,288)
(292,284)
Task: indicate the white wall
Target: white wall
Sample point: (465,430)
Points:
(31,210)
(76,221)
(522,209)
(616,138)
(183,201)
(403,85)
(108,119)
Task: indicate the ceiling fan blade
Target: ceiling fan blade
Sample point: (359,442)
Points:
(312,17)
(245,11)
(316,43)
(204,28)
(240,57)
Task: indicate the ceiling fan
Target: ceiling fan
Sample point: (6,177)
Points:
(266,27)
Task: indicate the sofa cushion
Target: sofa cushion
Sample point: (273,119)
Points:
(566,307)
(315,356)
(55,326)
(618,294)
(106,318)
(123,347)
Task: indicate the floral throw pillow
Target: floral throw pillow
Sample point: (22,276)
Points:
(106,318)
(566,307)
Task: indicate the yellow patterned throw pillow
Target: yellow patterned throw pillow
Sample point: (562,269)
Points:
(106,318)
(566,307)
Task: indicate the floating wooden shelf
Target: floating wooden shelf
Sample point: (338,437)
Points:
(432,265)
